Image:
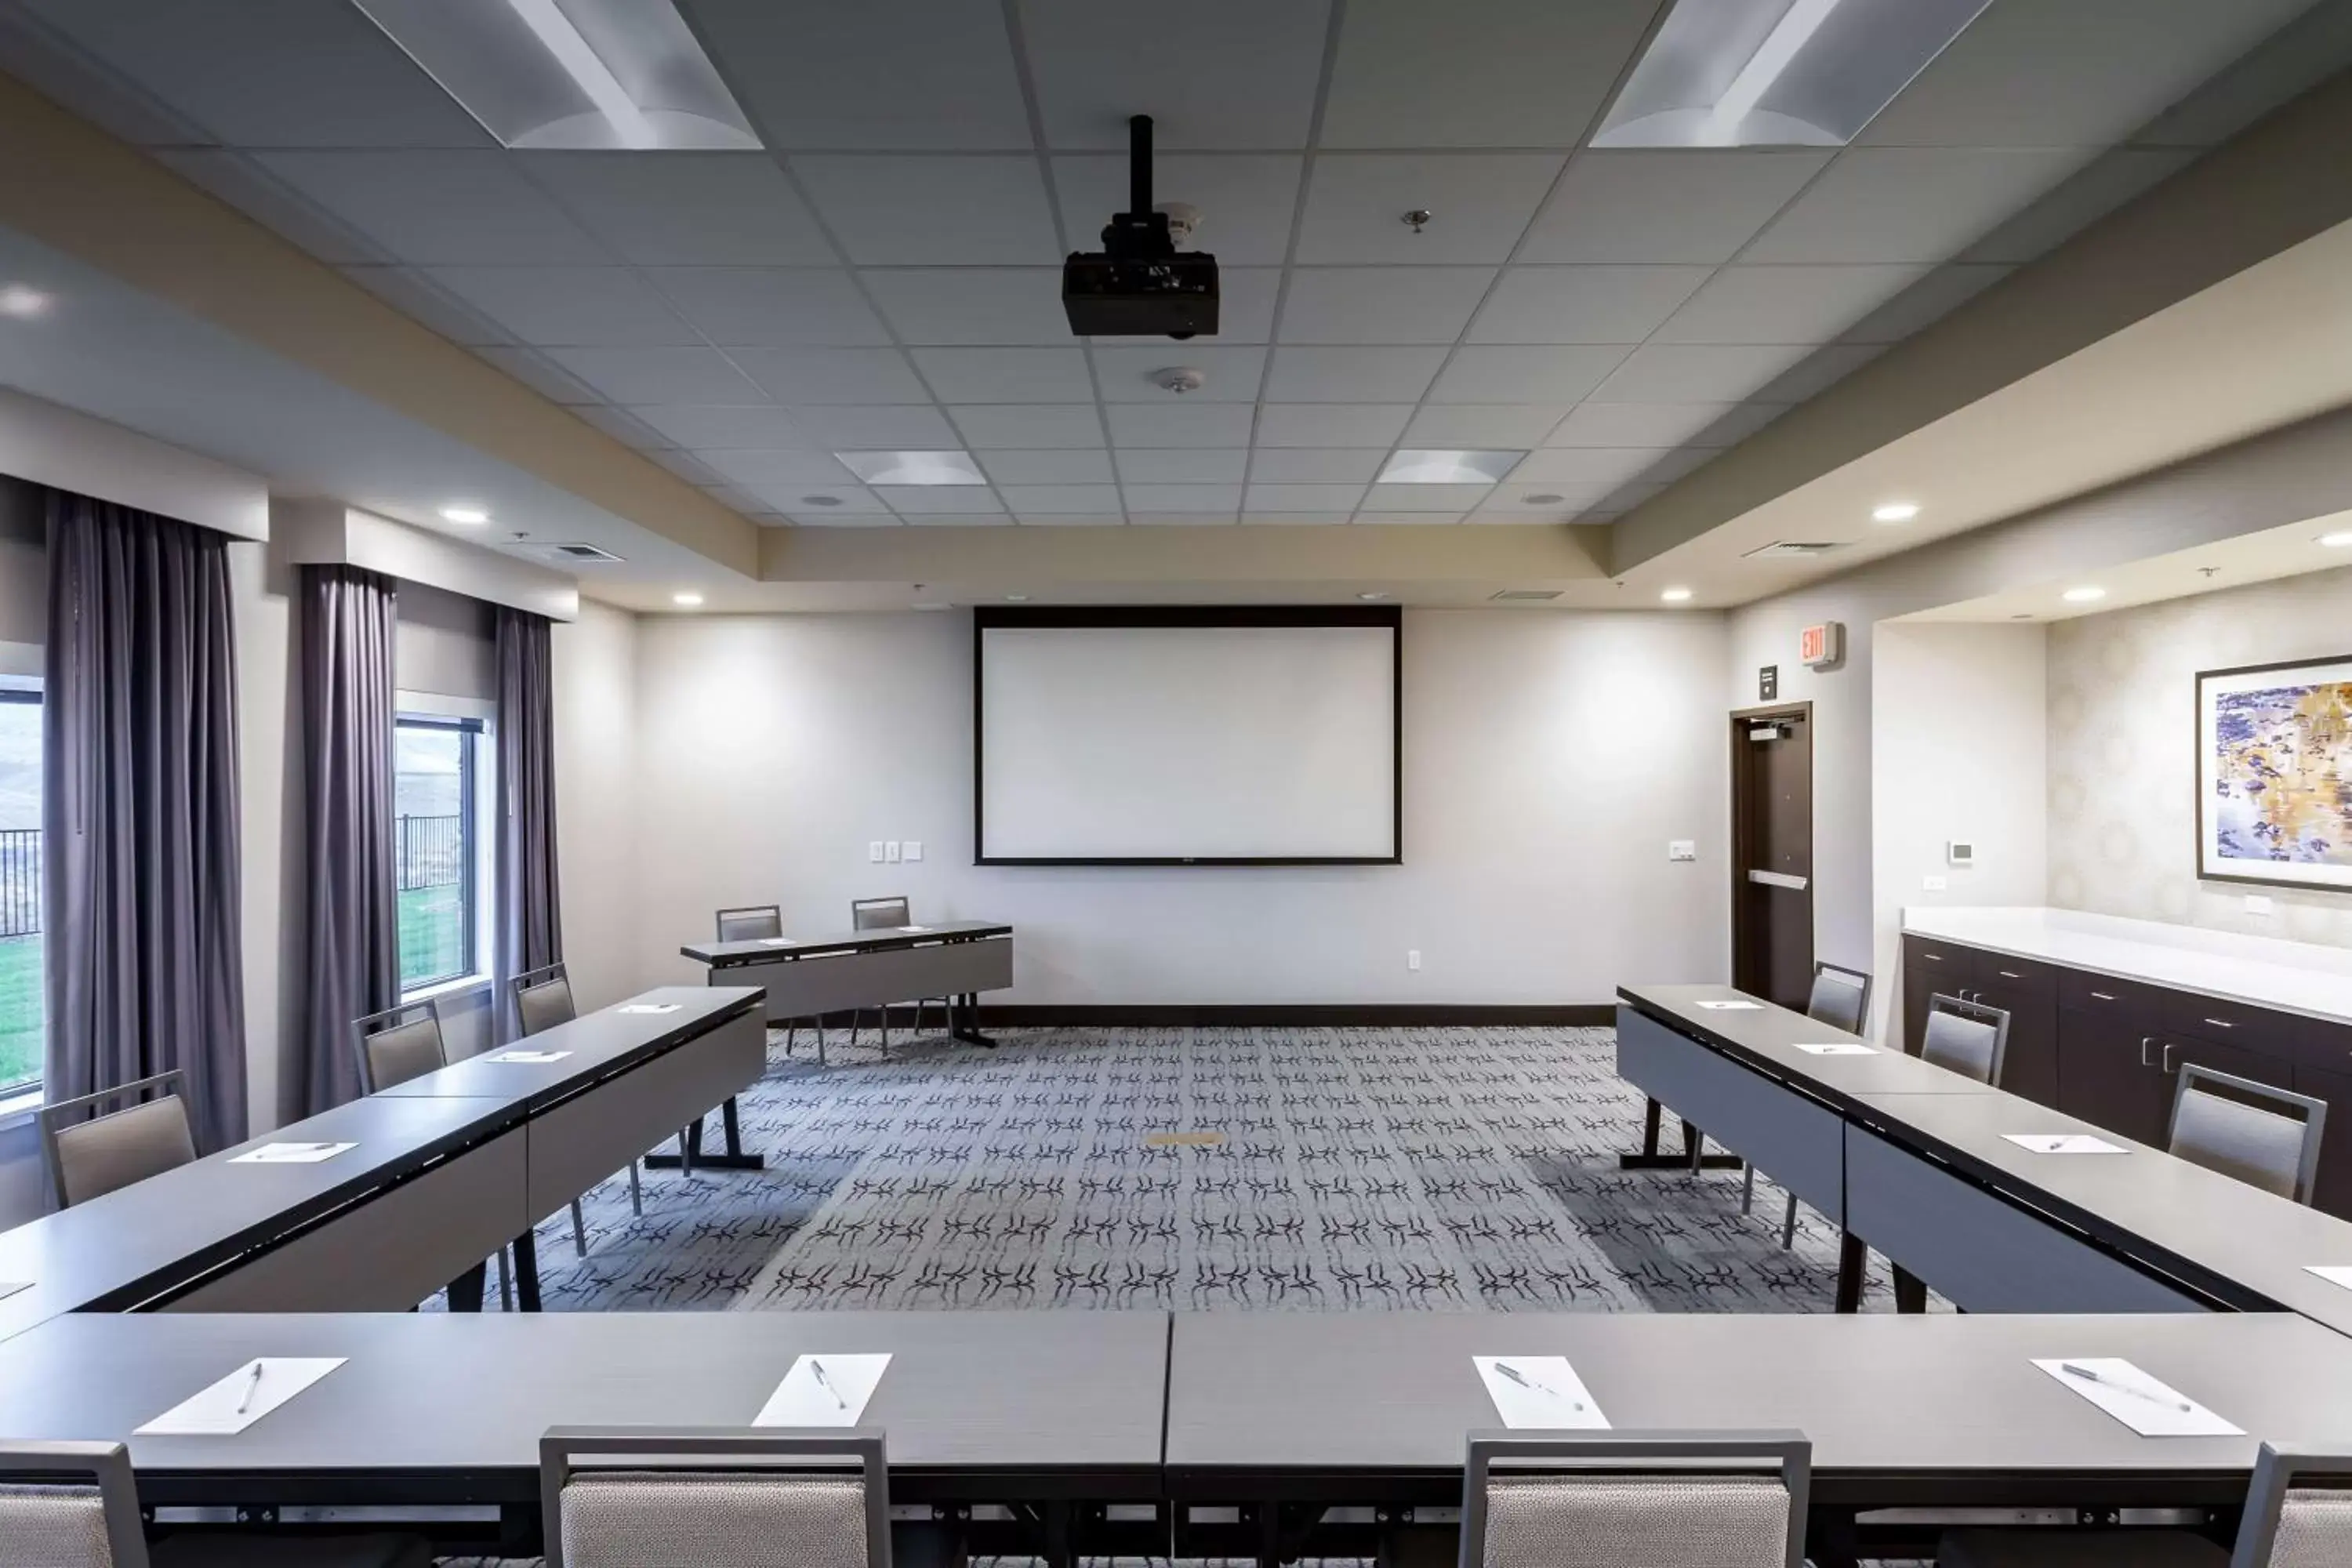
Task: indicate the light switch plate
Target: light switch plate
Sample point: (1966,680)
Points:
(1682,850)
(1412,958)
(890,851)
(874,851)
(914,848)
(1936,884)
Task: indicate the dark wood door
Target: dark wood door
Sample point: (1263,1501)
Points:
(1931,968)
(2332,1189)
(2028,993)
(2107,1073)
(1772,854)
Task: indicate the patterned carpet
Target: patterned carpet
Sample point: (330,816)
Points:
(1328,1170)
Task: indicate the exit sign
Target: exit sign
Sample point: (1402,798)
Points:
(1821,645)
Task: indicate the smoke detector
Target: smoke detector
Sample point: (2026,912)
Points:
(1183,221)
(1179,379)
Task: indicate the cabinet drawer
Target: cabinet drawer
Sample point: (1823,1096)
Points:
(2324,1046)
(1938,965)
(2018,977)
(2233,1024)
(2104,996)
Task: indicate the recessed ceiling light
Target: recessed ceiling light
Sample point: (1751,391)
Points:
(2085,594)
(1017,598)
(570,74)
(2341,540)
(1894,511)
(18,300)
(820,501)
(1543,498)
(461,512)
(1433,468)
(1675,596)
(689,600)
(929,604)
(913,467)
(1371,596)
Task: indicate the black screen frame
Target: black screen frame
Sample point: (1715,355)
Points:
(1388,616)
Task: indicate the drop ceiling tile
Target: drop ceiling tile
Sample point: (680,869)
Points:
(1739,422)
(907,211)
(1554,501)
(1818,371)
(1674,465)
(68,76)
(1482,427)
(624,427)
(960,520)
(902,428)
(569,306)
(1178,424)
(1245,298)
(1477,73)
(742,501)
(1315,465)
(270,73)
(1184,465)
(764,307)
(1016,427)
(1184,519)
(2114,178)
(1070,519)
(1183,497)
(688,467)
(1340,498)
(1784,304)
(971,304)
(1381,304)
(1332,423)
(1665,206)
(1326,375)
(1011,469)
(1582,304)
(880,74)
(1247,201)
(1932,297)
(1492,372)
(1625,498)
(699,425)
(1479,203)
(1911,204)
(910,501)
(1492,517)
(550,380)
(1424,497)
(1032,500)
(416,295)
(658,374)
(799,501)
(1635,424)
(1212,73)
(772,466)
(1681,373)
(1409,519)
(685,209)
(237,179)
(1005,375)
(439,208)
(833,376)
(844,519)
(1606,467)
(1233,373)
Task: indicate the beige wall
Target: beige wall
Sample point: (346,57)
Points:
(599,829)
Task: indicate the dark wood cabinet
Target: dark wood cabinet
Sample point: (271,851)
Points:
(2334,1186)
(2107,1076)
(1929,968)
(2028,993)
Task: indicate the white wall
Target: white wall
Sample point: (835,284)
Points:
(597,747)
(1548,759)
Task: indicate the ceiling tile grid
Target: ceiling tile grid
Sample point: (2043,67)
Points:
(885,275)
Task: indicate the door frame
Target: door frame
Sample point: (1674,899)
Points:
(1743,776)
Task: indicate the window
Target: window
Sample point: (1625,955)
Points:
(24,1002)
(439,846)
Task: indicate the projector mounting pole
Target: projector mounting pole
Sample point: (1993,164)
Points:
(1139,167)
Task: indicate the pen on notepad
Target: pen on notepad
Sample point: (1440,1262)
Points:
(1508,1370)
(245,1400)
(825,1382)
(2071,1370)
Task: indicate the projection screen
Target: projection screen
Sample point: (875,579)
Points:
(1200,737)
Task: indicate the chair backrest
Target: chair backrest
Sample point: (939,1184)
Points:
(2265,1136)
(86,1517)
(542,999)
(1969,1038)
(878,914)
(90,1159)
(751,924)
(1841,998)
(2291,1526)
(726,1498)
(1636,1499)
(398,1043)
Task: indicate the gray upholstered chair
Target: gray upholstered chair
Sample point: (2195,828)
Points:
(1636,1499)
(2265,1136)
(1840,999)
(756,922)
(76,1505)
(89,1159)
(398,1043)
(728,1499)
(889,914)
(1965,1037)
(542,999)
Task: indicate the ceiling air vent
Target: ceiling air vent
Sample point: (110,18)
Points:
(581,553)
(1529,596)
(1786,548)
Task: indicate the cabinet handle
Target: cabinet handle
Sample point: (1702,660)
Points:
(2146,1041)
(2101,997)
(2009,975)
(2221,1024)
(2165,1060)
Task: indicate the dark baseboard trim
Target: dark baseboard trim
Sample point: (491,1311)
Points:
(1312,1014)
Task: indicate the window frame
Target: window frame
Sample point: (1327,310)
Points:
(29,689)
(470,718)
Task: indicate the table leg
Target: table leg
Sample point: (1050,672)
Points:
(526,1265)
(694,1157)
(1910,1292)
(963,1020)
(1690,1159)
(466,1290)
(1851,1257)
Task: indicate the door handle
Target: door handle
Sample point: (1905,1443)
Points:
(2165,1060)
(2146,1041)
(2221,1024)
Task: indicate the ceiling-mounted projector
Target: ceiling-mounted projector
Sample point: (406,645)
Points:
(1138,285)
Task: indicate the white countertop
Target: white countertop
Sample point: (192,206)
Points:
(2259,971)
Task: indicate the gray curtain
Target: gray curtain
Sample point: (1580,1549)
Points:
(530,907)
(139,811)
(351,903)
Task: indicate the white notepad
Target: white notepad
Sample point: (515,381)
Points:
(214,1411)
(779,941)
(2064,1143)
(527,1056)
(1838,1048)
(1740,1006)
(2148,1407)
(824,1391)
(2333,1273)
(1538,1390)
(915,928)
(291,1153)
(649,1006)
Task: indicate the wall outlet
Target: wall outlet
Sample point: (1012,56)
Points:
(1936,884)
(874,851)
(1412,958)
(1682,850)
(2260,904)
(914,848)
(890,851)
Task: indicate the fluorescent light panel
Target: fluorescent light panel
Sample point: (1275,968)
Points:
(1413,467)
(913,467)
(572,74)
(1778,73)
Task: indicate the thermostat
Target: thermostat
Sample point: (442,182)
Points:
(1961,852)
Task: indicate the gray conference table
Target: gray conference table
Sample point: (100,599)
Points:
(809,977)
(1285,1415)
